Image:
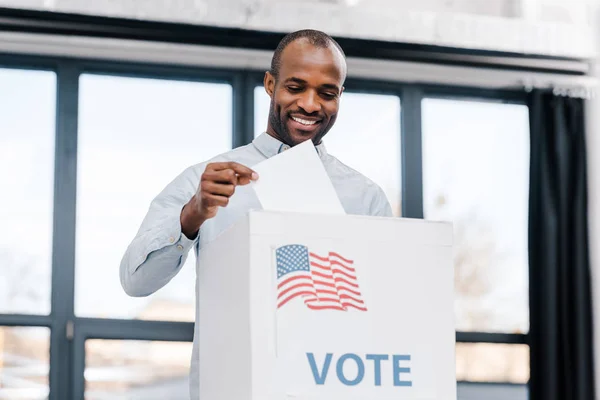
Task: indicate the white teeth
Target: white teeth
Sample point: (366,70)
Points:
(303,121)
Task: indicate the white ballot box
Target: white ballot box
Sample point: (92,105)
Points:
(327,307)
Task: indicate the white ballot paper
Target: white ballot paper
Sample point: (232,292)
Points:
(296,181)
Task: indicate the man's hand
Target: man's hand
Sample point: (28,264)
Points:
(217,185)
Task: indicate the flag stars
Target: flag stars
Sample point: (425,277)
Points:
(292,258)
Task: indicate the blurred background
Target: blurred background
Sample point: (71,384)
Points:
(103,103)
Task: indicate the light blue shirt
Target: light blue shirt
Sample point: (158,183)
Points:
(159,249)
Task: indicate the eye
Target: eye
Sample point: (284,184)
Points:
(294,89)
(329,95)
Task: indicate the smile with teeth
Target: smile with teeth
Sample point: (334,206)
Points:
(304,121)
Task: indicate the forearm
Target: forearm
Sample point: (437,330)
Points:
(190,219)
(154,257)
(159,249)
(155,272)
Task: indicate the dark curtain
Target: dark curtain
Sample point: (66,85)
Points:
(559,272)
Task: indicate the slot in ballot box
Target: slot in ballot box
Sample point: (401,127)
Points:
(327,307)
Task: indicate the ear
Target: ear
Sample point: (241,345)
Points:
(342,90)
(269,83)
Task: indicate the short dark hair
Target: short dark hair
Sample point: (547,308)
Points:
(316,38)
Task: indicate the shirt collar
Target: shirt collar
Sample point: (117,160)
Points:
(269,146)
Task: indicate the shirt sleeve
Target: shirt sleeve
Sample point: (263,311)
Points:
(159,249)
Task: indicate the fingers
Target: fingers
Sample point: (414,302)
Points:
(218,183)
(243,173)
(212,200)
(226,176)
(221,189)
(244,179)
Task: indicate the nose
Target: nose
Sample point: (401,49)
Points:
(309,102)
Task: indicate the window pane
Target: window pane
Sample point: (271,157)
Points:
(136,136)
(366,137)
(27,126)
(475,174)
(24,363)
(119,369)
(490,362)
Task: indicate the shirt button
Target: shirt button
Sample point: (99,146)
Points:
(284,148)
(171,239)
(179,247)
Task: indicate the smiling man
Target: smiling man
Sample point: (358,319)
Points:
(305,84)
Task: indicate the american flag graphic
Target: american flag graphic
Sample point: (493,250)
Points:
(325,282)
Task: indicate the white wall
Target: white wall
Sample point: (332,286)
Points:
(526,26)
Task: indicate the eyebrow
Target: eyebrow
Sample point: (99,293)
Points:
(303,82)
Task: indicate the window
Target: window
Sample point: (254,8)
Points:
(27,125)
(475,174)
(135,136)
(492,362)
(137,369)
(24,362)
(366,137)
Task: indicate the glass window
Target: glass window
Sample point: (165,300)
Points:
(127,369)
(491,362)
(27,130)
(136,136)
(366,137)
(24,362)
(475,174)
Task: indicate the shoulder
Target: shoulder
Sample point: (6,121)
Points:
(372,194)
(341,170)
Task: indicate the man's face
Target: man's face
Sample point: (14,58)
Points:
(306,95)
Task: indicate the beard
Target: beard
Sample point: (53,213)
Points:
(278,122)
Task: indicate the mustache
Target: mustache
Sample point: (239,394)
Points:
(304,113)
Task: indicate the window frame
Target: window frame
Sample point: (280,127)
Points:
(68,332)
